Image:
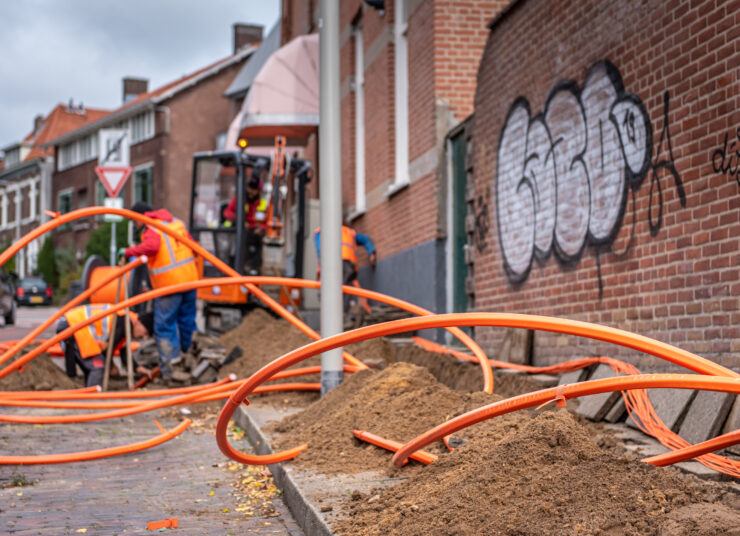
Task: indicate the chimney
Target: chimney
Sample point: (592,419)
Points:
(133,87)
(246,34)
(38,122)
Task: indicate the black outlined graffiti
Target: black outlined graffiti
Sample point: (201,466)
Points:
(563,176)
(668,164)
(482,221)
(722,158)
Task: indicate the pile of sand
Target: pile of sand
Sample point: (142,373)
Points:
(544,477)
(398,403)
(39,374)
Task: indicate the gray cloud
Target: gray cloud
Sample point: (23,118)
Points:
(80,49)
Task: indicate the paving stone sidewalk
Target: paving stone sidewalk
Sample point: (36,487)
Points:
(186,477)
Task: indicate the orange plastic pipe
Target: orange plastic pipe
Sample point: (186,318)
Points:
(262,389)
(124,412)
(572,327)
(95,454)
(562,393)
(393,446)
(99,395)
(687,453)
(61,219)
(114,274)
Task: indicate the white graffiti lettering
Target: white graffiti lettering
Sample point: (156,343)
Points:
(563,176)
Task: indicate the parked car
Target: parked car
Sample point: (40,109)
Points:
(33,291)
(7,297)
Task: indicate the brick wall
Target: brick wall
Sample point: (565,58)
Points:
(620,204)
(445,41)
(197,116)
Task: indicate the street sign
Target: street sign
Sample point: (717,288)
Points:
(113,202)
(113,178)
(114,148)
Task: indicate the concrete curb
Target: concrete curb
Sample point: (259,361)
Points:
(307,517)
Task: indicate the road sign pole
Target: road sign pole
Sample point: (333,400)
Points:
(113,246)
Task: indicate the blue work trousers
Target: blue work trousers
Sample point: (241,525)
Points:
(174,324)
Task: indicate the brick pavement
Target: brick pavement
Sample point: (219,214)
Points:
(119,495)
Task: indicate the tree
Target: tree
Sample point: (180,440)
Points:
(47,265)
(99,242)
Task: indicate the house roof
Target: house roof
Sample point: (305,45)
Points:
(152,98)
(243,81)
(61,120)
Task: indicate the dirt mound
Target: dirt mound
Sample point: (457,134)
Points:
(463,375)
(39,374)
(545,476)
(397,403)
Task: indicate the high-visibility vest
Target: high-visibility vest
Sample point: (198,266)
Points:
(174,262)
(89,338)
(349,243)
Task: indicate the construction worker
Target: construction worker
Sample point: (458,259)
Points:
(350,240)
(170,262)
(255,219)
(86,347)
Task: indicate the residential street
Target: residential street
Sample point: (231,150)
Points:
(187,477)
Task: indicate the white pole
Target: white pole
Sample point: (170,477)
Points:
(113,246)
(330,184)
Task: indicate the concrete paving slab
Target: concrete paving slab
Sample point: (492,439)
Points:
(618,412)
(545,380)
(595,407)
(670,405)
(733,423)
(573,376)
(706,416)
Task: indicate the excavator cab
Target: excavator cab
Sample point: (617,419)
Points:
(219,182)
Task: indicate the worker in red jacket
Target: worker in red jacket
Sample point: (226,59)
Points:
(170,262)
(255,219)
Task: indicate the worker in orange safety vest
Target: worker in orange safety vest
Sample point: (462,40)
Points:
(170,262)
(350,240)
(86,347)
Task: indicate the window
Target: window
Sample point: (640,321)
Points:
(359,120)
(401,76)
(64,205)
(12,157)
(143,184)
(140,127)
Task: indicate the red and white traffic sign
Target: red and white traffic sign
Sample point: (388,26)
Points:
(113,178)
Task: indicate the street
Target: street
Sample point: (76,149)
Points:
(187,477)
(26,319)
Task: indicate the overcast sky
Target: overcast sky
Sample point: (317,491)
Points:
(52,51)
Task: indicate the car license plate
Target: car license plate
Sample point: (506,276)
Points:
(37,299)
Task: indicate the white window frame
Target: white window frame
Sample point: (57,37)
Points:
(401,94)
(360,187)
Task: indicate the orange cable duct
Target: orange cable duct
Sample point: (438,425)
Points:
(95,454)
(61,219)
(572,327)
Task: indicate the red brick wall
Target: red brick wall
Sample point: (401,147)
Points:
(197,116)
(675,276)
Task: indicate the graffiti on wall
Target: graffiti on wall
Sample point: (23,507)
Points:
(722,158)
(563,175)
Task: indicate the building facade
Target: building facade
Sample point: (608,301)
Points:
(25,179)
(165,127)
(605,153)
(407,77)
